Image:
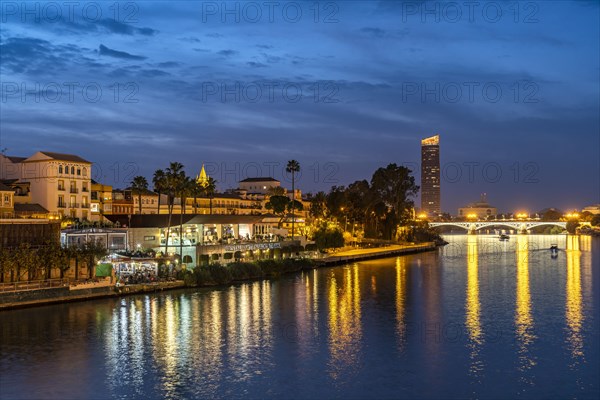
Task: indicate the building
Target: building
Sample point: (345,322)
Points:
(478,210)
(593,209)
(259,185)
(60,183)
(430,176)
(6,201)
(101,201)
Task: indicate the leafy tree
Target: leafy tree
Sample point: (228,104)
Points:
(293,167)
(595,220)
(139,185)
(281,205)
(54,257)
(276,191)
(174,184)
(92,251)
(572,226)
(394,186)
(327,238)
(551,215)
(318,205)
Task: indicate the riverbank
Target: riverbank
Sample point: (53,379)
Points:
(205,276)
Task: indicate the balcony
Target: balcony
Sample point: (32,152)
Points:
(84,189)
(74,190)
(61,188)
(62,205)
(85,205)
(73,205)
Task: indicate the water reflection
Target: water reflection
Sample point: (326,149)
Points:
(345,331)
(401,276)
(573,306)
(472,317)
(523,317)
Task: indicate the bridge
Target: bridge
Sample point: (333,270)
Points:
(519,226)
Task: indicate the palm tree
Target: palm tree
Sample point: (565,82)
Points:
(209,190)
(158,180)
(174,180)
(292,167)
(139,185)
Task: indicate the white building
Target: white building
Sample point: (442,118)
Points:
(593,209)
(60,183)
(480,209)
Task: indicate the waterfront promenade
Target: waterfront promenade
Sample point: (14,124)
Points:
(70,292)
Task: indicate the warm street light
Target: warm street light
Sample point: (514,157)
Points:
(472,216)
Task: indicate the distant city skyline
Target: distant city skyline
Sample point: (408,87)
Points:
(516,99)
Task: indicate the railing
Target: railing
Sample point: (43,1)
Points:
(85,205)
(74,190)
(84,190)
(73,205)
(62,188)
(33,285)
(62,205)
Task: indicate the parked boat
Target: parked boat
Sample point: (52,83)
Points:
(504,237)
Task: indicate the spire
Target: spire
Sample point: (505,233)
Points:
(202,178)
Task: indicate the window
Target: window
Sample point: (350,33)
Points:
(61,185)
(78,171)
(60,169)
(72,170)
(85,172)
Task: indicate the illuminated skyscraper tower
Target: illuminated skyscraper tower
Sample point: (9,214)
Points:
(430,175)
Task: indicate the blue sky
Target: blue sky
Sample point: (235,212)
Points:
(512,88)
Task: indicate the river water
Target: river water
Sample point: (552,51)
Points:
(477,319)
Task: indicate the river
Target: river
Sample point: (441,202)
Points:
(477,319)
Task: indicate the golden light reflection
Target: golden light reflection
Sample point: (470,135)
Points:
(344,320)
(472,305)
(401,273)
(573,306)
(523,318)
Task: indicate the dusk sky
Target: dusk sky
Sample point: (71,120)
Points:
(343,87)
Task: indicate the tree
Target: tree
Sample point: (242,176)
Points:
(394,186)
(572,226)
(159,182)
(327,238)
(54,257)
(281,206)
(92,251)
(318,205)
(292,167)
(595,220)
(139,185)
(174,182)
(552,215)
(209,191)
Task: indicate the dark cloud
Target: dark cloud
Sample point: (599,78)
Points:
(227,53)
(374,32)
(169,64)
(105,51)
(121,28)
(255,64)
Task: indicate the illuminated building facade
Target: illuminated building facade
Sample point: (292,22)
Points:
(430,175)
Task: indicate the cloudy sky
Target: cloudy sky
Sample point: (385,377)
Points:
(344,87)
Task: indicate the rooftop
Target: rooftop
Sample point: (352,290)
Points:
(260,179)
(60,157)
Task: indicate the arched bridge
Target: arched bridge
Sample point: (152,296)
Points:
(520,226)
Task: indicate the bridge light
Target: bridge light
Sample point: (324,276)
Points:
(472,216)
(422,216)
(522,215)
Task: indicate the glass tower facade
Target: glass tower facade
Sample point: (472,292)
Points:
(430,175)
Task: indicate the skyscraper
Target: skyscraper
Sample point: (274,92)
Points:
(430,175)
